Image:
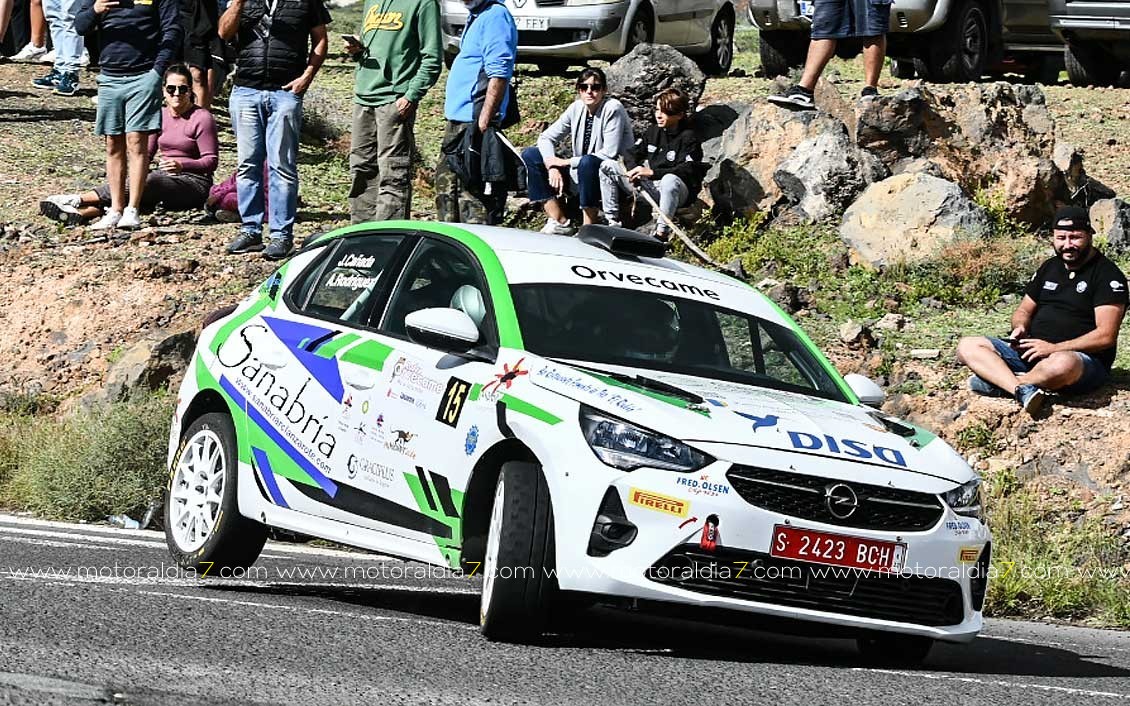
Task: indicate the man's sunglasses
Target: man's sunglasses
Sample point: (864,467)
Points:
(591,87)
(177,90)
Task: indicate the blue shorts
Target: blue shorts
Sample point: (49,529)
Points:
(1094,372)
(128,104)
(842,19)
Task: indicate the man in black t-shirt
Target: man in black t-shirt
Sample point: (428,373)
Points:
(1065,331)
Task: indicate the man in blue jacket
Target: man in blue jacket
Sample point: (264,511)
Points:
(139,39)
(476,98)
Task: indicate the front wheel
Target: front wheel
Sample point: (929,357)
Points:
(1087,66)
(518,570)
(721,56)
(894,650)
(781,50)
(203,527)
(959,51)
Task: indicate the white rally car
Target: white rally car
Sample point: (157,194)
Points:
(569,417)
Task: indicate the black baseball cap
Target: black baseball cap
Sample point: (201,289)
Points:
(1072,218)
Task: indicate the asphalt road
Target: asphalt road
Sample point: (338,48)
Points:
(386,634)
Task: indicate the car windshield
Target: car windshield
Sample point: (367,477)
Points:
(651,331)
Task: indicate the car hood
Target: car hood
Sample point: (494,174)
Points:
(748,416)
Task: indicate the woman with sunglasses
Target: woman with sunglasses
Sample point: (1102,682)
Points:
(186,153)
(599,129)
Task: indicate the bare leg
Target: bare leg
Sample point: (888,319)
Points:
(38,24)
(874,49)
(116,170)
(590,215)
(978,354)
(553,210)
(820,52)
(201,88)
(138,147)
(5,15)
(1056,371)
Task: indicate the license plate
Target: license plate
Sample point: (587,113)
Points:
(837,549)
(807,8)
(532,24)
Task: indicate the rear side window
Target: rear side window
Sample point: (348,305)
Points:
(340,288)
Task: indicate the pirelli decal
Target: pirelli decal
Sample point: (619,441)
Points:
(658,502)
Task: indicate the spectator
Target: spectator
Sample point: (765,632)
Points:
(399,59)
(669,154)
(842,19)
(198,19)
(137,43)
(6,9)
(600,130)
(281,47)
(187,153)
(477,97)
(36,45)
(1065,331)
(62,17)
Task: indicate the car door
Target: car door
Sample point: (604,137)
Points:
(1025,24)
(285,366)
(417,405)
(672,21)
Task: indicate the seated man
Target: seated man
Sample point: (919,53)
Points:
(1065,331)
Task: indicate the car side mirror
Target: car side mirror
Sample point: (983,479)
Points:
(866,390)
(446,329)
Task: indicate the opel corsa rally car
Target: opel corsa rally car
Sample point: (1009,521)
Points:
(569,417)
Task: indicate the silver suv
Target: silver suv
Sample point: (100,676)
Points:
(1097,38)
(939,40)
(558,33)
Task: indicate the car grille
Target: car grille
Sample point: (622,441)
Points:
(804,497)
(906,599)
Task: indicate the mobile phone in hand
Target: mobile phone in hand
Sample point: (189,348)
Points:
(351,38)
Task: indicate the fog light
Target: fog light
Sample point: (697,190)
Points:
(611,529)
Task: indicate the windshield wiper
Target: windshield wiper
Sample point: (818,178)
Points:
(644,382)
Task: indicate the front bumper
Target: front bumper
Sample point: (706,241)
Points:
(591,31)
(937,594)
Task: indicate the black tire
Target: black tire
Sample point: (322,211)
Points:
(449,59)
(554,67)
(233,541)
(1087,66)
(781,51)
(641,30)
(959,51)
(1044,69)
(894,650)
(902,68)
(518,586)
(721,56)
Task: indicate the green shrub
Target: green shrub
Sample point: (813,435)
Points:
(97,462)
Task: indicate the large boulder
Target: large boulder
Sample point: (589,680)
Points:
(638,76)
(825,173)
(909,218)
(982,135)
(1111,220)
(150,364)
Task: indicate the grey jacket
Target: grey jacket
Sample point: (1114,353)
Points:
(611,133)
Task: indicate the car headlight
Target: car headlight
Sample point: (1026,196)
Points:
(627,447)
(965,499)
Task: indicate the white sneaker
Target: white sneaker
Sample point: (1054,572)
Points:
(613,222)
(556,227)
(107,221)
(30,52)
(129,218)
(48,58)
(84,60)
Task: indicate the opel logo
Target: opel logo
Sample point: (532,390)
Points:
(519,3)
(841,500)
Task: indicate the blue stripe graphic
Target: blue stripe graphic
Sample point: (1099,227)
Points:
(268,475)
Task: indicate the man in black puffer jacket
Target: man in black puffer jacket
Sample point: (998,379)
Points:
(282,44)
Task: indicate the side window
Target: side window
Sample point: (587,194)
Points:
(439,274)
(345,284)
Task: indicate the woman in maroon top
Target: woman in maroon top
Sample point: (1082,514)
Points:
(186,152)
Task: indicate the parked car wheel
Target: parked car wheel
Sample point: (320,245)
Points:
(902,68)
(642,29)
(203,527)
(960,50)
(894,650)
(1089,67)
(781,51)
(517,582)
(721,56)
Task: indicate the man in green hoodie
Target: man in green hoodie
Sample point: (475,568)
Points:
(398,59)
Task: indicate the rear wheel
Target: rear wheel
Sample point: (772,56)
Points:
(902,68)
(1087,66)
(721,56)
(894,650)
(203,527)
(781,51)
(518,585)
(641,30)
(959,51)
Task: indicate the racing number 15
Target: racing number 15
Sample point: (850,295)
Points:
(451,405)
